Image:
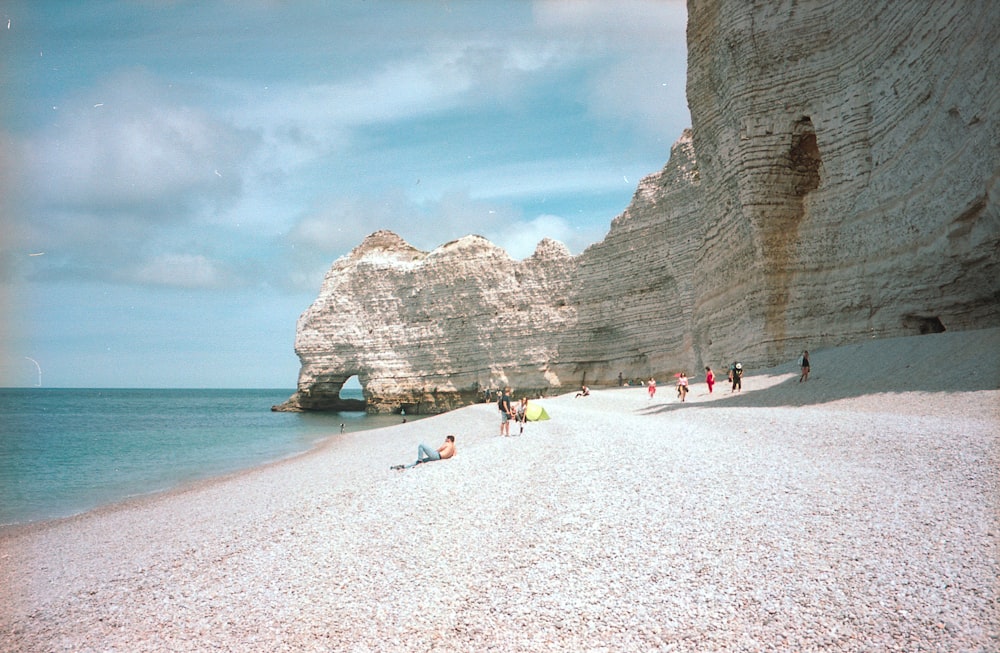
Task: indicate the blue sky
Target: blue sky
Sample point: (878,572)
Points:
(176,177)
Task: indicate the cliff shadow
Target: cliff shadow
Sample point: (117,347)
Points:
(949,362)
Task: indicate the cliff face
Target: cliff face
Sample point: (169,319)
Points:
(850,152)
(426,332)
(839,182)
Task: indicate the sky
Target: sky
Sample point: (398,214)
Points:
(177,177)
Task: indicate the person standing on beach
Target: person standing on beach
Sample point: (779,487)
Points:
(804,364)
(737,375)
(505,412)
(682,386)
(651,385)
(522,413)
(709,379)
(426,455)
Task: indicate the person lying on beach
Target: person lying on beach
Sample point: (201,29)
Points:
(425,454)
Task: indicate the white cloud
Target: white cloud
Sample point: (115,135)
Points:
(326,161)
(332,230)
(538,177)
(521,238)
(134,150)
(644,46)
(301,124)
(627,22)
(182,270)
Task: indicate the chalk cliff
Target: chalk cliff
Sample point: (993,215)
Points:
(839,182)
(425,332)
(849,152)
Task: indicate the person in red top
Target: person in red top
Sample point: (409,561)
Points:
(709,378)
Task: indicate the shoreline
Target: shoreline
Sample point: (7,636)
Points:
(253,438)
(194,485)
(848,515)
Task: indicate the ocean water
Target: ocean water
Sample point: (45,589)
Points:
(66,451)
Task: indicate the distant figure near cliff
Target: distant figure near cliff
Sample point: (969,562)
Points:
(682,386)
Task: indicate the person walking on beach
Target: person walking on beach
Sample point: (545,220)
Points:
(804,364)
(682,386)
(651,385)
(425,454)
(505,412)
(737,375)
(709,379)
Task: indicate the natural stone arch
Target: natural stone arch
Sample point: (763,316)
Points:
(323,394)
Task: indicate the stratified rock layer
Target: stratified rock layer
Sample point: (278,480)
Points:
(850,158)
(426,332)
(839,182)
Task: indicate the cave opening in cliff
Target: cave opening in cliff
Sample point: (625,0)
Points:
(351,389)
(798,173)
(805,157)
(923,324)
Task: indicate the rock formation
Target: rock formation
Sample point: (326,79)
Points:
(426,332)
(850,158)
(839,182)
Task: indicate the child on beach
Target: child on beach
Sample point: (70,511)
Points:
(522,413)
(709,379)
(652,387)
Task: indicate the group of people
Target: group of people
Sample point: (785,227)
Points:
(518,412)
(734,377)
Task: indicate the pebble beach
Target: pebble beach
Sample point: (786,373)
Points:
(859,511)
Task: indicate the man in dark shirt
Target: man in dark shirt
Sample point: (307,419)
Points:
(505,412)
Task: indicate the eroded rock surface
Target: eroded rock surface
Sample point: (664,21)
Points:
(839,182)
(850,158)
(426,332)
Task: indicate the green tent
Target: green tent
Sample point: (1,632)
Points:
(535,413)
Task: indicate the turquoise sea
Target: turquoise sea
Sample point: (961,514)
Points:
(66,451)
